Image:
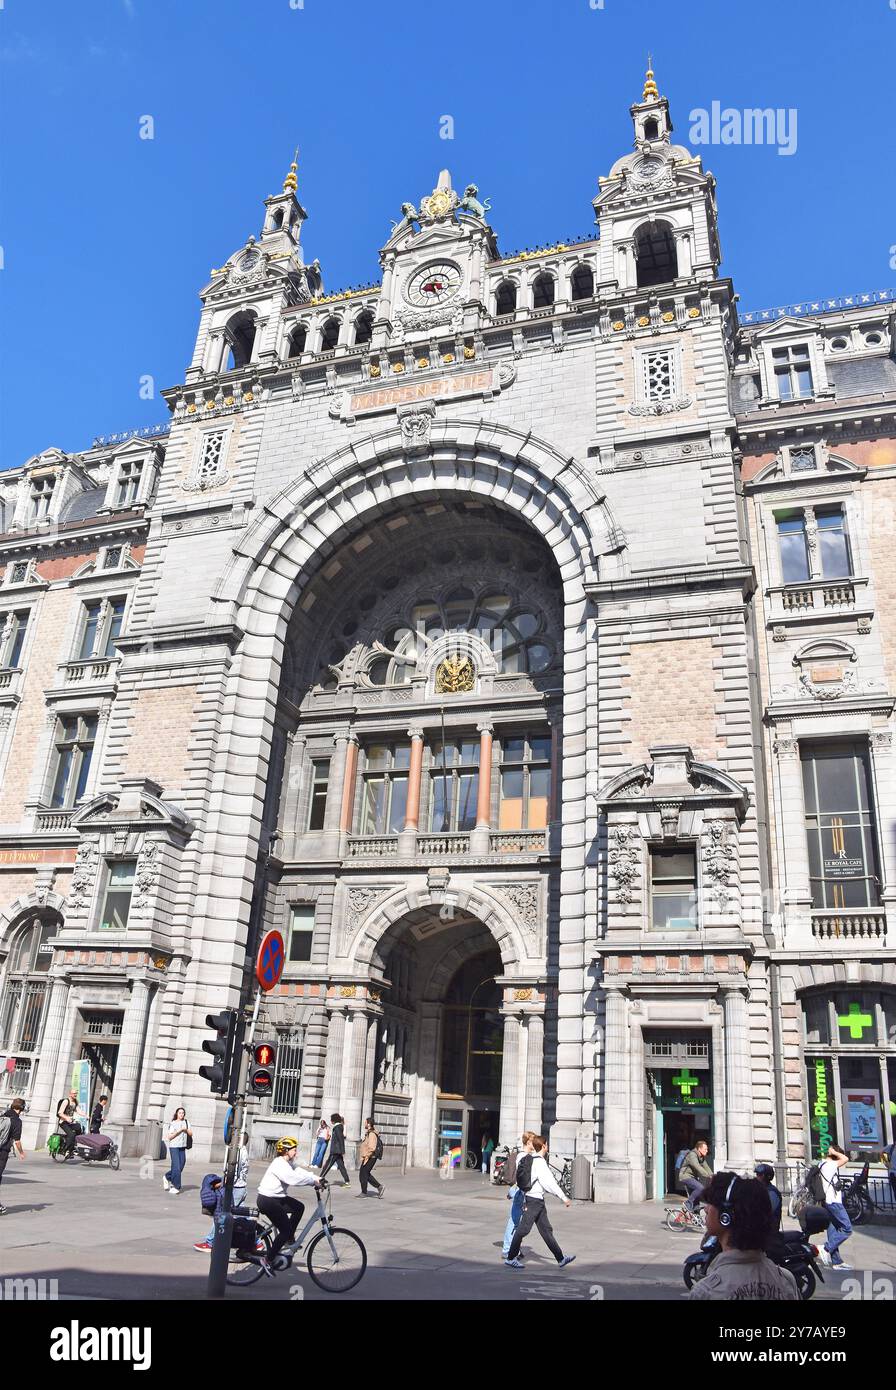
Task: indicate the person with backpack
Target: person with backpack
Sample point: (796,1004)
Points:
(370,1153)
(337,1149)
(10,1137)
(68,1114)
(695,1172)
(321,1142)
(516,1196)
(825,1185)
(535,1178)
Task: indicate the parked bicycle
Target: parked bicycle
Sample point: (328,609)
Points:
(336,1258)
(682,1218)
(564,1177)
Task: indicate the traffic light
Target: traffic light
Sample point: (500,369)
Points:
(261,1072)
(221,1048)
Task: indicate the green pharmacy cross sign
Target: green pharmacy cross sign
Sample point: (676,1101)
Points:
(685,1082)
(855,1021)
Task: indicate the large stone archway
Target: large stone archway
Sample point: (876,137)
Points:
(279,556)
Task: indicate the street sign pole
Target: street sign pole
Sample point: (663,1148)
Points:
(268,968)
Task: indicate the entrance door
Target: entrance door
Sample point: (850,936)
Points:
(451,1136)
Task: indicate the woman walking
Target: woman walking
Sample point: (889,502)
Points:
(337,1149)
(179,1138)
(371,1151)
(320,1147)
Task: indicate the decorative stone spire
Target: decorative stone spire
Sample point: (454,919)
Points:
(651,91)
(291,182)
(651,114)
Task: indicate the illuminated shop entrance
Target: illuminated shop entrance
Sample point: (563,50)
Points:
(850,1070)
(679,1108)
(469,1095)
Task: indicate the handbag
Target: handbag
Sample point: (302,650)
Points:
(189,1143)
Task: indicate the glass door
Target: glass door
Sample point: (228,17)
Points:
(451,1136)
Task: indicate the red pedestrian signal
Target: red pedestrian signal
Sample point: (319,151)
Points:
(261,1073)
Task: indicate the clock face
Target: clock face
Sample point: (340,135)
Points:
(248,261)
(433,285)
(648,170)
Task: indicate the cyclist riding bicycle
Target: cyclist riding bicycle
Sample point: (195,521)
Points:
(283,1211)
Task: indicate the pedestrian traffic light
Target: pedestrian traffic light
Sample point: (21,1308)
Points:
(221,1048)
(261,1073)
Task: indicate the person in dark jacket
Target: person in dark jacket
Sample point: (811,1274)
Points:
(10,1137)
(336,1156)
(96,1115)
(766,1175)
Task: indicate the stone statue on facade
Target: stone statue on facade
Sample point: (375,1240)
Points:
(470,202)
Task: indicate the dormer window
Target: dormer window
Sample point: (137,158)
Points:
(127,487)
(793,372)
(41,497)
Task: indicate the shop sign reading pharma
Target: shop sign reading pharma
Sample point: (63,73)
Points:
(819,1075)
(486,382)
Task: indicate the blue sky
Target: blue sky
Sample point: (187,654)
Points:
(107,238)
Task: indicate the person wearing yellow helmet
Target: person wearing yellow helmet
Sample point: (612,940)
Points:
(283,1211)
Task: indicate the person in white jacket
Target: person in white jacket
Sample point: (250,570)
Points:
(535,1179)
(284,1212)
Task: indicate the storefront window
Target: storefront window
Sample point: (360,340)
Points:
(850,1069)
(840,825)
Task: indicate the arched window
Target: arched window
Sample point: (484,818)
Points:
(505,298)
(297,339)
(363,328)
(241,337)
(473,1031)
(582,282)
(651,129)
(330,335)
(543,292)
(516,636)
(278,218)
(24,1003)
(655,254)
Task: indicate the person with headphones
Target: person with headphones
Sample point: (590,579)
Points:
(739,1215)
(284,1212)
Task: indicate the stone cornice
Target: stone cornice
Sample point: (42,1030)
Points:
(167,639)
(740,577)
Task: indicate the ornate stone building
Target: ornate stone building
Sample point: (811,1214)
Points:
(516,635)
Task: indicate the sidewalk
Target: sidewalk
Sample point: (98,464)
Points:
(118,1235)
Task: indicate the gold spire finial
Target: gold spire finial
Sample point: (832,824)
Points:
(651,92)
(291,183)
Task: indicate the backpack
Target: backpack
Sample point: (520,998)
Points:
(510,1167)
(680,1158)
(244,1233)
(524,1172)
(815,1184)
(378,1151)
(5,1130)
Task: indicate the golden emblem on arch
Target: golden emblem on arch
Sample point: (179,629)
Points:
(455,675)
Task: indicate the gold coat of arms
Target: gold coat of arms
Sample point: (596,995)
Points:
(454,675)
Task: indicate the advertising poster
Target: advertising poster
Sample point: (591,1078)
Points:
(861,1111)
(81,1084)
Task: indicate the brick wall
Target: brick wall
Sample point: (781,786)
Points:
(672,698)
(160,735)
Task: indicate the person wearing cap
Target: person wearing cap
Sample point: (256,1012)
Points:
(766,1175)
(274,1202)
(10,1137)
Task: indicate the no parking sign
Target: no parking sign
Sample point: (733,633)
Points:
(270,960)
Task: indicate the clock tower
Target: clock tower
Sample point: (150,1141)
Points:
(434,268)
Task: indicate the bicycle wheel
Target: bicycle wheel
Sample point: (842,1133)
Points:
(114,1161)
(336,1260)
(471,1160)
(242,1272)
(674,1219)
(798,1200)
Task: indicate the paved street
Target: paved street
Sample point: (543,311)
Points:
(112,1235)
